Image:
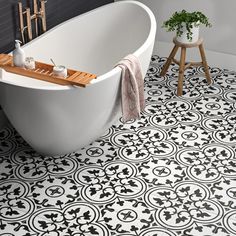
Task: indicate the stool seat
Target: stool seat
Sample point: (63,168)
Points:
(182,63)
(187,45)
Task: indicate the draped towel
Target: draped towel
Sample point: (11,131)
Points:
(132,88)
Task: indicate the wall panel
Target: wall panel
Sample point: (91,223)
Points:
(57,11)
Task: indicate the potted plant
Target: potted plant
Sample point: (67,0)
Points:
(186,25)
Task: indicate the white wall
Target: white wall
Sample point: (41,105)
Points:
(219,40)
(221,37)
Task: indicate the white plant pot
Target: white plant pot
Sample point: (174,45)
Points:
(195,36)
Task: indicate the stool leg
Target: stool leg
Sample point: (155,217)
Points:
(181,71)
(169,60)
(204,63)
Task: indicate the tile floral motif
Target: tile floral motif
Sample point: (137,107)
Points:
(59,191)
(127,216)
(179,207)
(209,164)
(145,142)
(170,173)
(7,145)
(80,218)
(230,222)
(32,166)
(162,171)
(15,205)
(104,184)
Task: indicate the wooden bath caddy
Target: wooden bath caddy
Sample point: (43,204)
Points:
(44,72)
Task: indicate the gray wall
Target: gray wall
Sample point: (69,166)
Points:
(220,38)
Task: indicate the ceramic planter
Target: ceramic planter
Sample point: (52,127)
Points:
(195,36)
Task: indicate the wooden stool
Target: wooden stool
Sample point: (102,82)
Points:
(181,63)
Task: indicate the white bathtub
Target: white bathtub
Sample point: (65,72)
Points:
(57,119)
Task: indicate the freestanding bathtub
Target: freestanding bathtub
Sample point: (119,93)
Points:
(57,119)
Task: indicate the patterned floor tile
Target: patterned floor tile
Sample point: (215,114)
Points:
(14,228)
(171,173)
(7,142)
(14,199)
(78,218)
(104,184)
(30,165)
(125,216)
(164,171)
(230,222)
(55,192)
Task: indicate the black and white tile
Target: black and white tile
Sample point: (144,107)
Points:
(171,173)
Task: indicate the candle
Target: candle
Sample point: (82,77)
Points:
(29,63)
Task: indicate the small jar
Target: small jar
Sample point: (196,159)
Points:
(29,63)
(60,71)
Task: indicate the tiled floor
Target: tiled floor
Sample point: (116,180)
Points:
(171,173)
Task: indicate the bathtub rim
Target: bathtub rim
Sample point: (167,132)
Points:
(104,76)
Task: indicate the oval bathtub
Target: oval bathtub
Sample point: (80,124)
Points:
(57,119)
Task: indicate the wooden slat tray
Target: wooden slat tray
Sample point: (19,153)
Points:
(44,72)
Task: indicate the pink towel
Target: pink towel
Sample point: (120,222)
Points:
(132,88)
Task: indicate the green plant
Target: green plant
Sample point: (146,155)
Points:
(191,19)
